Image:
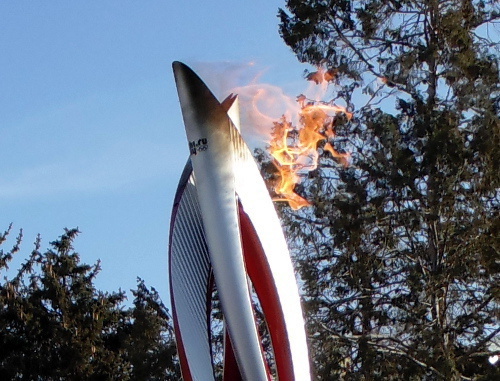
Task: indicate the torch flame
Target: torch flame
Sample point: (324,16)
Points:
(289,178)
(306,123)
(295,149)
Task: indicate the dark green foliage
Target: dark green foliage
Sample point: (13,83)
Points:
(400,253)
(149,345)
(55,325)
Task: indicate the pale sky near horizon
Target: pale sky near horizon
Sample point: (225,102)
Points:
(91,132)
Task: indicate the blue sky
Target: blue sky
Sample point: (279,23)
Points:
(91,132)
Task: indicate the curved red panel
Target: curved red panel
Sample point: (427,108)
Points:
(231,370)
(262,279)
(186,374)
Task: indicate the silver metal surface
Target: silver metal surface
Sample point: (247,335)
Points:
(190,271)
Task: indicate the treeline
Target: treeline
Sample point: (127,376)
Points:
(55,324)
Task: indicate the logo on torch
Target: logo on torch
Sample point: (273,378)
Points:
(198,146)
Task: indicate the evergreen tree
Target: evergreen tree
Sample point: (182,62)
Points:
(55,325)
(399,252)
(149,346)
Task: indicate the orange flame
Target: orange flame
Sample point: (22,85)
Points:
(286,188)
(295,149)
(322,76)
